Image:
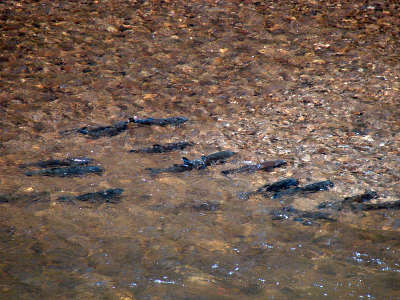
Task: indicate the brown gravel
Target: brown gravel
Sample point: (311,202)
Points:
(315,83)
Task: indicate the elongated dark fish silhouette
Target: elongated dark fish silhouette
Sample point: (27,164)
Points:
(77,161)
(360,203)
(265,166)
(305,217)
(99,131)
(376,206)
(67,171)
(310,188)
(159,122)
(119,127)
(198,164)
(157,148)
(349,202)
(105,196)
(266,189)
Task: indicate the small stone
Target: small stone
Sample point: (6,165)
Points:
(111,28)
(368,138)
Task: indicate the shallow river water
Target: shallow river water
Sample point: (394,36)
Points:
(316,85)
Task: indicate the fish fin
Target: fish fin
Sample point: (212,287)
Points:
(187,161)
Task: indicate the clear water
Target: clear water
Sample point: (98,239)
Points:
(275,93)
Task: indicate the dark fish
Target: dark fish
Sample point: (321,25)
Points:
(287,192)
(376,206)
(349,201)
(306,217)
(198,206)
(265,166)
(273,187)
(100,131)
(163,148)
(174,169)
(159,122)
(367,196)
(197,164)
(5,198)
(337,205)
(106,196)
(316,215)
(67,171)
(207,160)
(206,206)
(217,157)
(78,161)
(310,188)
(317,186)
(278,185)
(283,213)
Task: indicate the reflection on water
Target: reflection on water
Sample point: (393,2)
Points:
(297,83)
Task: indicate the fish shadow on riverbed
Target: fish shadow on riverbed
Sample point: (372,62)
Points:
(96,132)
(32,201)
(159,148)
(197,206)
(70,167)
(100,197)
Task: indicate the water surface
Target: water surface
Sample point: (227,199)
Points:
(315,85)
